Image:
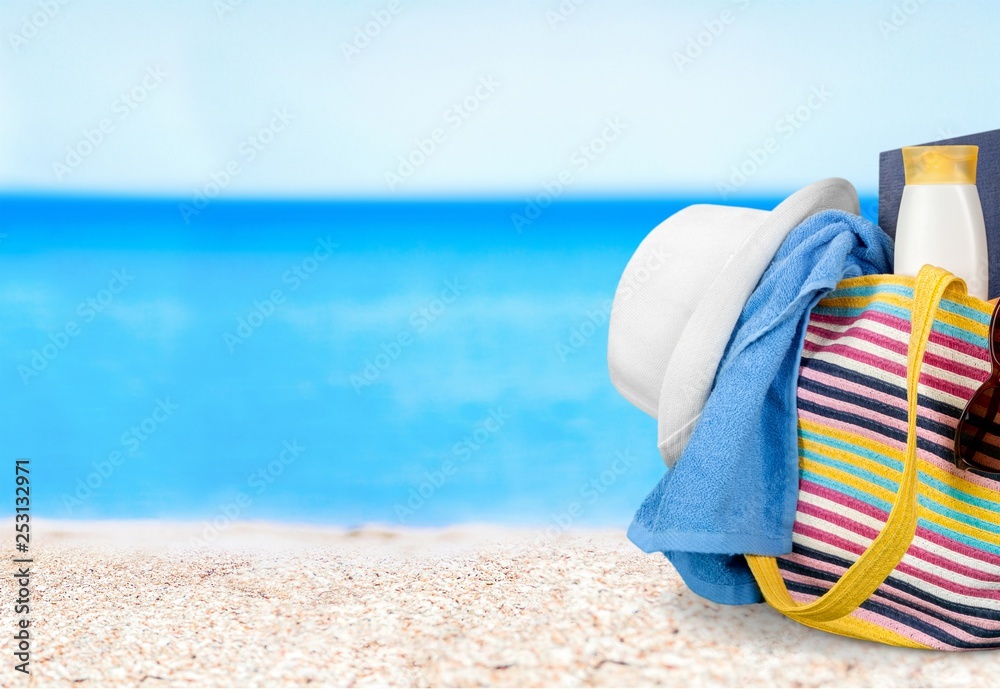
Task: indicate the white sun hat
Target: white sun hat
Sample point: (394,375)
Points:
(681,294)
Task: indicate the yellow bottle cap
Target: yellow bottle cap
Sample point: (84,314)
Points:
(940,164)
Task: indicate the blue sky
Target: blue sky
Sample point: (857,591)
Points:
(211,79)
(211,151)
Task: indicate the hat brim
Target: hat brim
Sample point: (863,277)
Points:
(690,373)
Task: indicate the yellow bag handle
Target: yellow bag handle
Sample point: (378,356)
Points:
(862,578)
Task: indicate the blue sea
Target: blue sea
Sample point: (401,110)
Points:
(420,363)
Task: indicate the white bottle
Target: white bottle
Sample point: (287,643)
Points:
(940,217)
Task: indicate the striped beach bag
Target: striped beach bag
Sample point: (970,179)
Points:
(892,542)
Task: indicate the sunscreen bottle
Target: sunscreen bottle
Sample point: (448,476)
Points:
(940,217)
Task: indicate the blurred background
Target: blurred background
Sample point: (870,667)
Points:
(353,262)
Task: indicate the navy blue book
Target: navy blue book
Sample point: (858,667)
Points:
(890,190)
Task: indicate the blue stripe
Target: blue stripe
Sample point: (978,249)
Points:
(857,472)
(895,465)
(869,291)
(898,312)
(893,486)
(865,422)
(867,402)
(868,499)
(985,613)
(863,380)
(901,617)
(907,293)
(966,312)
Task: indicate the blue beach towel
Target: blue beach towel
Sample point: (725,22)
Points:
(735,487)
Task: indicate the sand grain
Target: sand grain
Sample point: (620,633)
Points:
(126,604)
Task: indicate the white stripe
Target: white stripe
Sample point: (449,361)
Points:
(904,338)
(886,377)
(990,569)
(909,604)
(919,565)
(919,584)
(900,359)
(923,566)
(884,420)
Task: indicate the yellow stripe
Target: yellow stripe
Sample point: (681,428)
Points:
(890,474)
(834,610)
(876,281)
(888,496)
(959,483)
(902,302)
(953,294)
(863,629)
(831,610)
(851,438)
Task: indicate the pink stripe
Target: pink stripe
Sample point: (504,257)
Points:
(887,421)
(903,325)
(890,444)
(859,332)
(870,348)
(857,549)
(904,631)
(868,414)
(922,531)
(883,591)
(851,429)
(914,550)
(877,395)
(961,391)
(885,623)
(910,631)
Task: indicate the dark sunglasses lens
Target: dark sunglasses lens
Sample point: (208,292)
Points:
(995,335)
(979,444)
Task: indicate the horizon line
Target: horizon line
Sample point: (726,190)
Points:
(700,195)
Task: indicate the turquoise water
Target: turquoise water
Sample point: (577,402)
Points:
(417,363)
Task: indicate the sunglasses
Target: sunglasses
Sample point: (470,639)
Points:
(977,437)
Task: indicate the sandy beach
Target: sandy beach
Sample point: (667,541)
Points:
(135,604)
